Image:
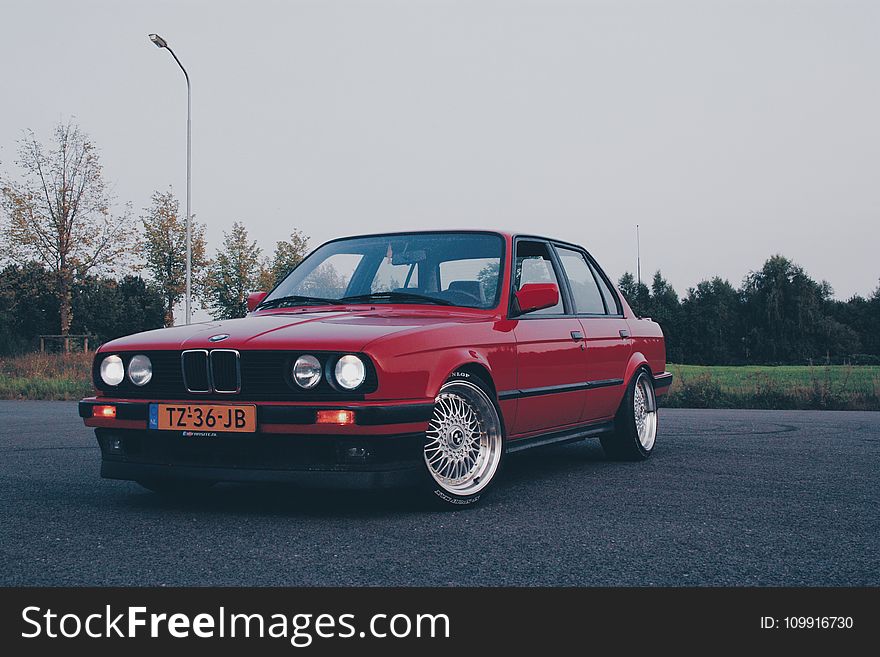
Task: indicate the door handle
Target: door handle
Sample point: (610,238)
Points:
(624,333)
(577,335)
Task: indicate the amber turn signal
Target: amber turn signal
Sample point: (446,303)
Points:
(335,417)
(104,411)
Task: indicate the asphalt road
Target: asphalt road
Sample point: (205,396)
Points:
(729,498)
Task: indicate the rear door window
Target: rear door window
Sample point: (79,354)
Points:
(584,289)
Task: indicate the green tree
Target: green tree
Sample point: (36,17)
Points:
(234,273)
(711,323)
(325,281)
(288,254)
(58,212)
(785,311)
(28,306)
(488,277)
(637,295)
(109,309)
(165,251)
(102,307)
(870,322)
(665,309)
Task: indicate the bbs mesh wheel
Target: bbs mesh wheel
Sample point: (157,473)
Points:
(464,442)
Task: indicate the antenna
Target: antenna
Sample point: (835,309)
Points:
(638,256)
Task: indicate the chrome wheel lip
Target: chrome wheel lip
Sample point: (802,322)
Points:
(645,412)
(464,440)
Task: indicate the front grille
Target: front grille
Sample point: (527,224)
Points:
(225,371)
(258,375)
(195,370)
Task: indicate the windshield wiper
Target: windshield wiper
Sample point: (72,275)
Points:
(397,296)
(295,299)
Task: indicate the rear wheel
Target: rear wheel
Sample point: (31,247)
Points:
(635,427)
(175,487)
(464,443)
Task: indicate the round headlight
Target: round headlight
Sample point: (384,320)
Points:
(307,371)
(350,372)
(140,370)
(112,371)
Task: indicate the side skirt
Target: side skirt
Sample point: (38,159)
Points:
(558,437)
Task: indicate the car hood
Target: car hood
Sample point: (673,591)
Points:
(338,330)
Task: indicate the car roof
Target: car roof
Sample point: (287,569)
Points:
(476,231)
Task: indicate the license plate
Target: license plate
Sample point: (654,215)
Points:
(203,417)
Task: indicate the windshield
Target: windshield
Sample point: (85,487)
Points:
(457,269)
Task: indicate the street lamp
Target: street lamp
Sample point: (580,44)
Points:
(162,43)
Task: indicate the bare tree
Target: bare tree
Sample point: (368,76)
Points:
(58,213)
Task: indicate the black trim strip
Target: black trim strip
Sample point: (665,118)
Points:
(364,415)
(273,414)
(400,414)
(606,383)
(553,390)
(563,436)
(663,380)
(286,414)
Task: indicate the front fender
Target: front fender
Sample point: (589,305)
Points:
(418,367)
(408,377)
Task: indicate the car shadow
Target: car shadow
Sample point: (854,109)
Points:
(280,500)
(531,466)
(550,462)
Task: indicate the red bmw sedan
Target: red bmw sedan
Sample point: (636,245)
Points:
(414,359)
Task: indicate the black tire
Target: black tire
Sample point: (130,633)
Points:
(175,487)
(626,442)
(442,446)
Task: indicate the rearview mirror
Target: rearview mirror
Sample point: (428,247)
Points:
(409,257)
(536,296)
(254,299)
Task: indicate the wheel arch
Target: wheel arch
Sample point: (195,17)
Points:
(636,362)
(469,361)
(480,369)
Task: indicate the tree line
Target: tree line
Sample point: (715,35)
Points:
(779,315)
(78,263)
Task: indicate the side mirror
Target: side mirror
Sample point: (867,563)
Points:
(254,299)
(536,296)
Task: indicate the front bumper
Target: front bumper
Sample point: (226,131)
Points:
(383,448)
(370,418)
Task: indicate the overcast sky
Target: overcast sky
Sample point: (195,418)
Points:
(728,130)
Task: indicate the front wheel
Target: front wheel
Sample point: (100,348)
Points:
(635,427)
(464,443)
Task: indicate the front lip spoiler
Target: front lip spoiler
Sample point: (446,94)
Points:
(323,478)
(285,414)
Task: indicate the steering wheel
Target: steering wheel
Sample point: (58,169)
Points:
(462,298)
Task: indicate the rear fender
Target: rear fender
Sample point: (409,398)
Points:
(636,360)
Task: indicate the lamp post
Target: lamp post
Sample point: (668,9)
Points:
(162,43)
(638,255)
